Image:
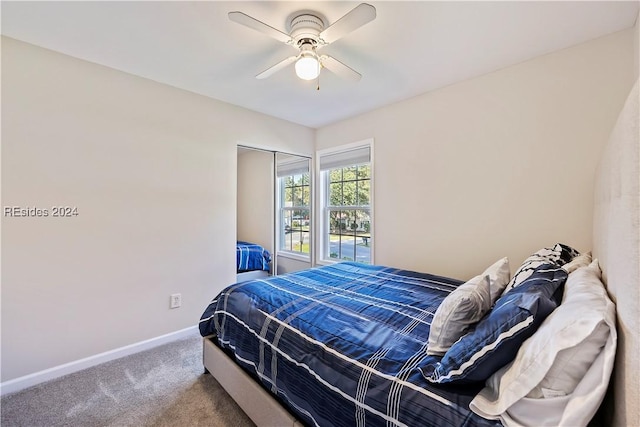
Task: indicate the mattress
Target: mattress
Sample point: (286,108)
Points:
(340,345)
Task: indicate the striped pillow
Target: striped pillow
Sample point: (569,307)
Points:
(497,337)
(558,255)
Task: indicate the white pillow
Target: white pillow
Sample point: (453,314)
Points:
(582,326)
(581,260)
(499,275)
(570,365)
(463,307)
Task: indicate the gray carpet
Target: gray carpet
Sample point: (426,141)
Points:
(161,387)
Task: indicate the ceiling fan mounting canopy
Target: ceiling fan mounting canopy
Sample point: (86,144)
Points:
(308,32)
(306,28)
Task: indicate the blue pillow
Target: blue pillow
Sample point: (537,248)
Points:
(495,340)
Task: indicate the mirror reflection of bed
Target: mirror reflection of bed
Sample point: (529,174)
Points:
(255,214)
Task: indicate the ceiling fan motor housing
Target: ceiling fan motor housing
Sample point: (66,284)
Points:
(306,28)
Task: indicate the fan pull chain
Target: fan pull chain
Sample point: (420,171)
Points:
(318,78)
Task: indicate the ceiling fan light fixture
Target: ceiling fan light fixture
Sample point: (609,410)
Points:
(308,32)
(308,66)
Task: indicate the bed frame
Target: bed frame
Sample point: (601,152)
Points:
(255,401)
(616,243)
(252,275)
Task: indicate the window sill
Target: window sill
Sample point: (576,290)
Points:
(294,256)
(326,262)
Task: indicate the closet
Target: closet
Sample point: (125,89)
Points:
(260,217)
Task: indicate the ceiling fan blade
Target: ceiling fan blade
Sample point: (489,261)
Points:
(247,21)
(279,66)
(354,19)
(337,67)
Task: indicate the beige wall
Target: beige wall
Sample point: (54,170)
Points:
(636,47)
(499,165)
(256,197)
(289,265)
(152,171)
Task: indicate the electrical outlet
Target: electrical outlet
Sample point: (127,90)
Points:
(175,300)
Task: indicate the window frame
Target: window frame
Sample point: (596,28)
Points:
(323,206)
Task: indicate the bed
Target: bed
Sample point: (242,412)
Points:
(379,315)
(381,374)
(252,261)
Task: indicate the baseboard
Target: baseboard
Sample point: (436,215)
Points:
(23,382)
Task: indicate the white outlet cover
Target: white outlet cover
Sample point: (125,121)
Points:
(175,300)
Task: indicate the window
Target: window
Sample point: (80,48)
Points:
(294,201)
(346,206)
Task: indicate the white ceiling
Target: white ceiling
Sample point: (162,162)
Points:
(410,48)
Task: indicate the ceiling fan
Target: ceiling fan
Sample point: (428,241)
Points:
(307,33)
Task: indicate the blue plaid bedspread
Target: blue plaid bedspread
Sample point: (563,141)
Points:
(340,345)
(250,256)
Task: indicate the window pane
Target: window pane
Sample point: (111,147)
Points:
(335,175)
(334,246)
(334,222)
(363,193)
(304,223)
(349,193)
(364,172)
(364,221)
(295,240)
(305,196)
(334,235)
(288,197)
(347,248)
(300,219)
(349,174)
(353,222)
(363,236)
(301,244)
(297,196)
(287,220)
(345,219)
(287,241)
(335,194)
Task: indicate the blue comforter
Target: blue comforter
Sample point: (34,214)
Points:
(250,256)
(340,345)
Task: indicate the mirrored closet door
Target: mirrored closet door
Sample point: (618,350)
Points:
(273,213)
(255,210)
